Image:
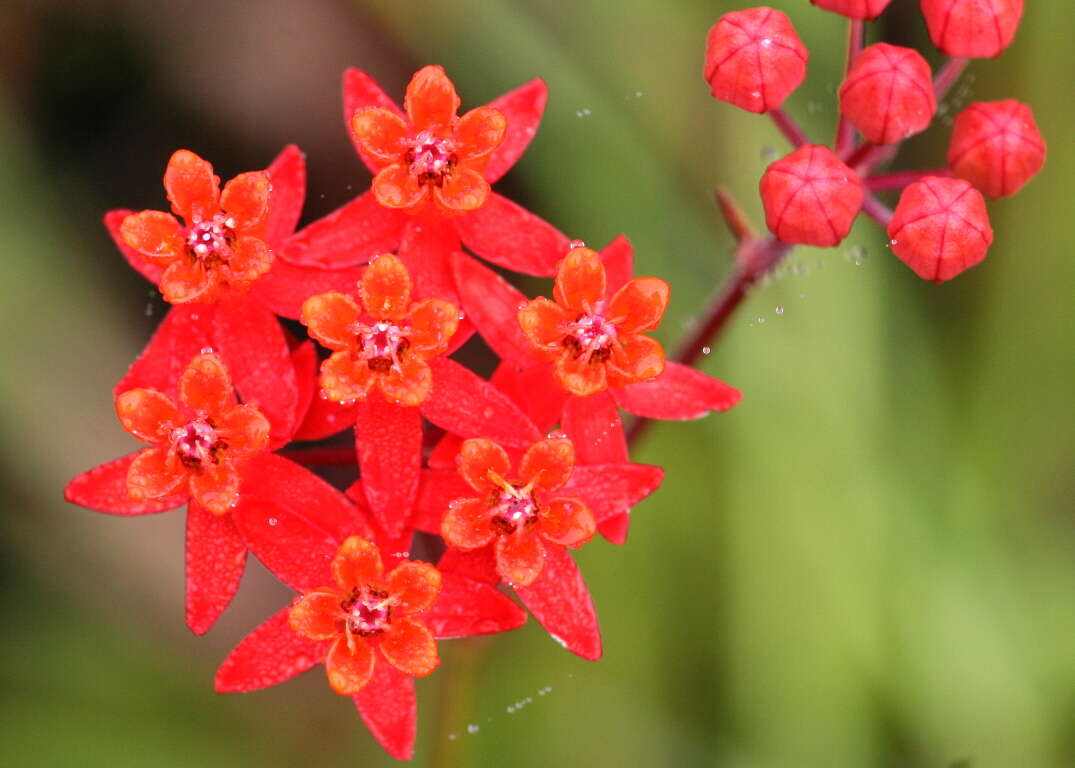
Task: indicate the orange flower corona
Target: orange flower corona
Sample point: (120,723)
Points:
(201,446)
(388,348)
(595,342)
(513,508)
(433,154)
(367,609)
(220,247)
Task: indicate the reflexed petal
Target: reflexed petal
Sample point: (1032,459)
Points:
(147,414)
(434,322)
(357,563)
(215,559)
(463,190)
(560,601)
(389,708)
(185,331)
(542,321)
(580,377)
(514,238)
(431,100)
(593,424)
(608,489)
(639,305)
(382,134)
(288,175)
(330,317)
(478,457)
(395,187)
(245,430)
(316,615)
(479,132)
(388,442)
(155,234)
(348,671)
(618,258)
(250,260)
(409,386)
(270,654)
(192,187)
(415,585)
(246,199)
(520,558)
(547,464)
(216,487)
(568,522)
(492,304)
(522,109)
(104,489)
(360,91)
(580,280)
(640,358)
(468,607)
(681,392)
(467,524)
(154,474)
(349,236)
(205,386)
(408,645)
(345,379)
(183,281)
(386,288)
(147,267)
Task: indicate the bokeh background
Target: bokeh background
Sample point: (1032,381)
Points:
(869,562)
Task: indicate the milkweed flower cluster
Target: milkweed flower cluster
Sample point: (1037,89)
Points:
(497,479)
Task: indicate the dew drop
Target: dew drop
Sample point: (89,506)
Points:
(462,315)
(521,307)
(638,94)
(452,737)
(205,351)
(149,310)
(558,639)
(473,728)
(706,350)
(577,244)
(779,310)
(759,319)
(273,521)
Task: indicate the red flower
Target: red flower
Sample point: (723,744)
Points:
(514,509)
(854,9)
(972,28)
(888,93)
(754,59)
(996,146)
(940,228)
(810,197)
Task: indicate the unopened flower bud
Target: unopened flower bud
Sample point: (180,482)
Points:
(810,197)
(888,93)
(996,146)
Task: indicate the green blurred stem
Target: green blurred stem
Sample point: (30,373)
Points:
(845,132)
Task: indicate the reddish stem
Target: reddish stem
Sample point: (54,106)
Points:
(900,179)
(787,125)
(845,132)
(321,457)
(733,215)
(947,76)
(876,210)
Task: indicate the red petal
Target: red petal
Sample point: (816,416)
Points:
(396,187)
(183,334)
(479,458)
(466,405)
(464,190)
(478,133)
(147,414)
(511,236)
(357,564)
(382,133)
(429,241)
(359,92)
(408,645)
(104,489)
(415,585)
(681,392)
(349,236)
(216,556)
(325,418)
(386,288)
(410,384)
(155,235)
(492,304)
(580,281)
(349,668)
(183,282)
(304,358)
(615,528)
(436,491)
(269,655)
(388,440)
(253,346)
(246,199)
(568,522)
(431,101)
(206,387)
(522,108)
(288,174)
(467,524)
(216,487)
(639,305)
(618,258)
(192,187)
(560,601)
(156,474)
(547,464)
(284,287)
(330,318)
(535,391)
(478,565)
(150,271)
(466,607)
(608,489)
(520,557)
(389,707)
(593,424)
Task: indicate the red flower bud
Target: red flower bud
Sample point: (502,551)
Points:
(940,228)
(996,146)
(977,29)
(754,59)
(888,93)
(854,9)
(810,197)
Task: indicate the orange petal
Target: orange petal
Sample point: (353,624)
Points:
(410,385)
(431,101)
(349,669)
(580,377)
(638,306)
(479,132)
(205,386)
(467,524)
(154,474)
(316,615)
(542,321)
(580,280)
(192,187)
(408,645)
(183,282)
(415,586)
(216,487)
(331,317)
(250,260)
(464,189)
(345,379)
(478,457)
(382,134)
(246,200)
(245,430)
(155,234)
(147,414)
(357,563)
(548,464)
(433,323)
(395,187)
(567,521)
(386,288)
(638,359)
(520,558)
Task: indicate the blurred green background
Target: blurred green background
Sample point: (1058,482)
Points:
(869,562)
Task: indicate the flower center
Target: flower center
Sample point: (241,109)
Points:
(210,241)
(369,614)
(430,158)
(197,443)
(382,344)
(514,508)
(591,336)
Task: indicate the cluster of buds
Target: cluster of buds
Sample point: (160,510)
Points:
(754,59)
(493,480)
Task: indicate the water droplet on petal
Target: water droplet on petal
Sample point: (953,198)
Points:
(577,244)
(273,521)
(205,351)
